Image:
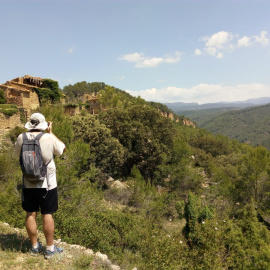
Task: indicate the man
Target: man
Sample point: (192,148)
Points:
(41,194)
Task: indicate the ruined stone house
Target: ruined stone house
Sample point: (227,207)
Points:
(20,91)
(92,102)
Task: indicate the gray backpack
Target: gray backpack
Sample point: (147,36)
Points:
(31,161)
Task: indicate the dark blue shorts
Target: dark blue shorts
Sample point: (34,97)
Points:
(33,200)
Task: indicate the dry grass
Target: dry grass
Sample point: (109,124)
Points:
(15,246)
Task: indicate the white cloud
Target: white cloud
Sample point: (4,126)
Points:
(220,55)
(204,93)
(218,40)
(262,38)
(222,42)
(133,57)
(198,52)
(217,43)
(140,60)
(244,42)
(211,51)
(150,62)
(173,59)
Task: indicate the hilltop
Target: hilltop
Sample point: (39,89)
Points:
(22,95)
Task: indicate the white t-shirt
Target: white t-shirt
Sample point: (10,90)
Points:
(50,146)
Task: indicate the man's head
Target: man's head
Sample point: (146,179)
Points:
(37,121)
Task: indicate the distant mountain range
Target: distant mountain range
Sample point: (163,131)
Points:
(181,106)
(244,121)
(250,125)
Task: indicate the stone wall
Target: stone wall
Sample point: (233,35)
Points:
(72,110)
(14,96)
(9,122)
(30,100)
(20,91)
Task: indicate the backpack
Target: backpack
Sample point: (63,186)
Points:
(31,161)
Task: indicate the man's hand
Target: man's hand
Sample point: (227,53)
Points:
(49,128)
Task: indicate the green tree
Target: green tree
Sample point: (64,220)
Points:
(49,92)
(144,133)
(109,154)
(254,181)
(62,124)
(76,91)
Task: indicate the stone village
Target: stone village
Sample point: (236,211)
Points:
(21,92)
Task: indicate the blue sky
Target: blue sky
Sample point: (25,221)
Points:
(163,50)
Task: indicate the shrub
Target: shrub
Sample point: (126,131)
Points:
(15,132)
(62,126)
(180,208)
(8,109)
(83,261)
(2,97)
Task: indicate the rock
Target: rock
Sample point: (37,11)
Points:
(103,257)
(115,267)
(88,252)
(78,247)
(110,179)
(57,241)
(117,185)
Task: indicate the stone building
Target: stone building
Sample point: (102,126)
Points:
(92,103)
(20,91)
(72,110)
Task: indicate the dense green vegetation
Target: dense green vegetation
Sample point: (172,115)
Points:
(250,125)
(109,96)
(49,92)
(8,109)
(2,97)
(191,200)
(200,117)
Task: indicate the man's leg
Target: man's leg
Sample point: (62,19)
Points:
(31,226)
(48,228)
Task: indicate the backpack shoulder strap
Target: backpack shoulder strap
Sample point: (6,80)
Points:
(24,136)
(39,136)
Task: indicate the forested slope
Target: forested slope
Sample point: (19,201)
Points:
(189,199)
(250,125)
(202,117)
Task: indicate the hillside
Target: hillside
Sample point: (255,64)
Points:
(148,191)
(250,125)
(200,117)
(201,114)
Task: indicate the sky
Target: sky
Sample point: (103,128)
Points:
(161,50)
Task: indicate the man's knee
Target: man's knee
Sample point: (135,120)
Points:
(47,219)
(31,215)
